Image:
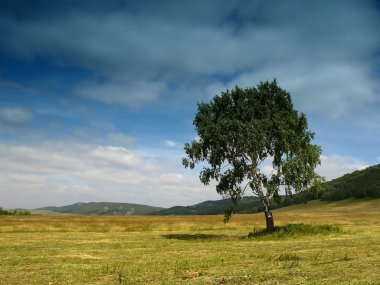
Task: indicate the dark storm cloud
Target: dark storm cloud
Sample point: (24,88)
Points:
(142,50)
(50,9)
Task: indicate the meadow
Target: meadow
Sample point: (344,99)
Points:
(67,249)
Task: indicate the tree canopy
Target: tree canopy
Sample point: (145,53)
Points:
(254,138)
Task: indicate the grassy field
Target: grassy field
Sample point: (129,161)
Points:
(193,249)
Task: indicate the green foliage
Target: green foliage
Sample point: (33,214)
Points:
(359,184)
(4,212)
(292,230)
(239,130)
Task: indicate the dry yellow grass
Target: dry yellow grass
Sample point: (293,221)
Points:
(192,249)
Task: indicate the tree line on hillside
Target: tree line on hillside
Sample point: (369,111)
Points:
(14,212)
(359,184)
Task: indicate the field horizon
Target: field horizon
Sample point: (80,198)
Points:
(194,249)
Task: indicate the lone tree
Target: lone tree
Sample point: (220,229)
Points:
(243,130)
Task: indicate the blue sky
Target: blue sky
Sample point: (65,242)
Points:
(97,98)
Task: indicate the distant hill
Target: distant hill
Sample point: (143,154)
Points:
(246,205)
(103,208)
(358,184)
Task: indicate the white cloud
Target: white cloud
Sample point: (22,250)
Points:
(59,173)
(170,143)
(334,166)
(121,139)
(14,115)
(333,89)
(172,178)
(125,93)
(65,172)
(117,148)
(121,156)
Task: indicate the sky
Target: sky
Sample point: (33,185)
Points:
(97,98)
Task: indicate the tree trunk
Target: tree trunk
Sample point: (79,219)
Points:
(269,220)
(268,215)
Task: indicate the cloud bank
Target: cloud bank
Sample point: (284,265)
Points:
(64,172)
(97,97)
(139,53)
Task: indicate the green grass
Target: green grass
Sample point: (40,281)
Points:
(195,249)
(292,230)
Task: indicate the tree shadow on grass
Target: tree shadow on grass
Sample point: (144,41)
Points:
(192,236)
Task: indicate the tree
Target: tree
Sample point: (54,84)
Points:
(240,132)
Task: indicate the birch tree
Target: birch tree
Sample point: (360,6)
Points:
(241,131)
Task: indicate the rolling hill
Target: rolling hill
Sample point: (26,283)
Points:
(103,208)
(359,184)
(247,205)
